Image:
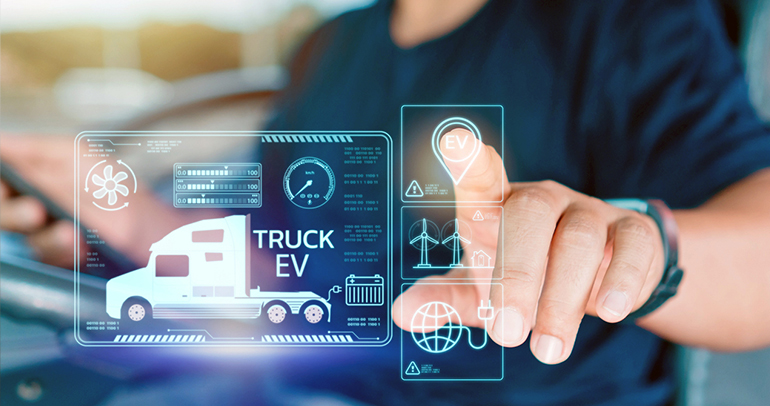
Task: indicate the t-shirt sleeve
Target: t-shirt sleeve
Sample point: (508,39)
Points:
(676,121)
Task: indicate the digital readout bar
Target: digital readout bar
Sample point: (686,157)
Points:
(218,185)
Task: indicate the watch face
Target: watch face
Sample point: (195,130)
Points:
(309,183)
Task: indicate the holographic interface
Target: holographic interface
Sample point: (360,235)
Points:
(286,243)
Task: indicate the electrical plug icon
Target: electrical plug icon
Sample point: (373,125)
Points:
(487,312)
(334,289)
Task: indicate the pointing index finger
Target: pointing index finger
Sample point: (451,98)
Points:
(482,179)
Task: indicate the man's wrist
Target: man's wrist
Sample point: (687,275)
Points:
(672,274)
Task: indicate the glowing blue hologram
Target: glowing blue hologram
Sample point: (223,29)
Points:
(138,144)
(308,183)
(194,270)
(478,216)
(220,185)
(109,184)
(458,149)
(164,288)
(412,369)
(455,238)
(436,327)
(426,243)
(414,190)
(433,329)
(438,136)
(433,341)
(481,259)
(364,290)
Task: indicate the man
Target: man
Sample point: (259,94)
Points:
(602,100)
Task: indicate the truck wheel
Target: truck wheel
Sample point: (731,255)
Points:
(276,313)
(314,314)
(137,310)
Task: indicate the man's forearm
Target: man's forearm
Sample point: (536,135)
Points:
(724,301)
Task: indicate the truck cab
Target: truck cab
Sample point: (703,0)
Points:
(202,271)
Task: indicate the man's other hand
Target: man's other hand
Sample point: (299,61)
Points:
(46,164)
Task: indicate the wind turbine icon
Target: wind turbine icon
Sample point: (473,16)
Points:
(424,239)
(456,238)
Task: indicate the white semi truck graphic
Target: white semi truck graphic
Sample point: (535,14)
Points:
(202,271)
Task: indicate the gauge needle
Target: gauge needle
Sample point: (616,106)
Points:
(307,184)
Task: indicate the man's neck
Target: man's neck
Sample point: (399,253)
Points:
(414,22)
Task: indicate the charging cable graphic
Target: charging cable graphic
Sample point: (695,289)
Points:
(334,289)
(434,331)
(485,313)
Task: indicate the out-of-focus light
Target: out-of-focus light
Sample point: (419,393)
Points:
(230,15)
(106,94)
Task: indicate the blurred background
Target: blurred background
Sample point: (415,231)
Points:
(90,64)
(72,65)
(76,64)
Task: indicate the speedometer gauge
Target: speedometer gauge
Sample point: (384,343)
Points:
(309,183)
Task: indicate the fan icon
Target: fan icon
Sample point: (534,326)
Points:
(110,186)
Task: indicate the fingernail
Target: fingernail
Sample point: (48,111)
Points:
(29,215)
(615,302)
(548,349)
(508,327)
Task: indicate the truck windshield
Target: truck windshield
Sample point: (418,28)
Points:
(208,236)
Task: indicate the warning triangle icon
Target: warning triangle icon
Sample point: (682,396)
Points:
(478,216)
(412,369)
(414,190)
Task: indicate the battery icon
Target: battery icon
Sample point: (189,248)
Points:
(364,290)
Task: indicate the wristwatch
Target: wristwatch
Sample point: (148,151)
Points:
(669,233)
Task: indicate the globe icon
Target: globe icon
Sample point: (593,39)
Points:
(436,327)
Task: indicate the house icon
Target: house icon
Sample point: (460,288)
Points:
(481,259)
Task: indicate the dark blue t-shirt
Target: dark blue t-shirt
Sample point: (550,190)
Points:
(611,98)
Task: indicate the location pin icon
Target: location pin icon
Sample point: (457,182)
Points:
(458,141)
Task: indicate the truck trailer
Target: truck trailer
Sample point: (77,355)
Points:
(203,271)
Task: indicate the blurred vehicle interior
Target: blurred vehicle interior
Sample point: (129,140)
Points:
(188,66)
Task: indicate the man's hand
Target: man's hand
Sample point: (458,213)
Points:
(46,163)
(566,254)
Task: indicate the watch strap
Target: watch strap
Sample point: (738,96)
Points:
(672,274)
